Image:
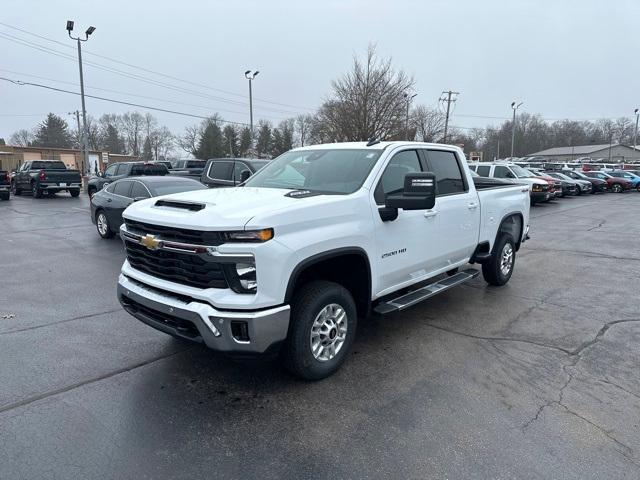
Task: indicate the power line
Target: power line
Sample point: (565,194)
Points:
(48,87)
(155,72)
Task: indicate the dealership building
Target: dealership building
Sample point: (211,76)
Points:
(615,153)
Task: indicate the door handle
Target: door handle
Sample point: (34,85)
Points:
(472,206)
(109,200)
(430,213)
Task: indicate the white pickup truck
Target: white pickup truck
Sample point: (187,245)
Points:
(319,237)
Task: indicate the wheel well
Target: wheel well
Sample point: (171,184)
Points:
(513,225)
(348,268)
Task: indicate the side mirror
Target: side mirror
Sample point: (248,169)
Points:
(419,193)
(244,176)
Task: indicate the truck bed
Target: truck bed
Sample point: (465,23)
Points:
(483,183)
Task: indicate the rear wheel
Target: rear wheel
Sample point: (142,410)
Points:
(498,271)
(102,225)
(321,330)
(36,192)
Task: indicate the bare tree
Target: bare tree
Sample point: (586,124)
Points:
(367,102)
(303,125)
(428,123)
(190,138)
(22,138)
(162,142)
(133,127)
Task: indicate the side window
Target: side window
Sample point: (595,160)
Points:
(238,168)
(139,191)
(503,172)
(111,171)
(473,167)
(483,170)
(221,170)
(122,188)
(122,169)
(448,175)
(392,179)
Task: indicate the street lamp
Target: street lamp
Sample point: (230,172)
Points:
(85,135)
(635,133)
(408,99)
(515,107)
(249,75)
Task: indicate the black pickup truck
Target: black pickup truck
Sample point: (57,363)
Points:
(5,185)
(122,170)
(188,168)
(228,172)
(51,176)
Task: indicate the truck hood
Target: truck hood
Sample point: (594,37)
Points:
(221,208)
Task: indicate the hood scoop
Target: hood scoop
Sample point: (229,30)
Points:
(301,194)
(192,207)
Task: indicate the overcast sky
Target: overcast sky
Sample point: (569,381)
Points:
(563,59)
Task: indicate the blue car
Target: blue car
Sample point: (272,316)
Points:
(632,177)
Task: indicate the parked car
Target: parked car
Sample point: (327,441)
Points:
(563,188)
(317,238)
(597,185)
(5,185)
(227,172)
(123,170)
(166,163)
(615,184)
(539,190)
(108,204)
(581,186)
(50,176)
(627,175)
(188,168)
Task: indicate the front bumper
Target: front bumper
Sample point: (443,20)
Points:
(540,196)
(197,321)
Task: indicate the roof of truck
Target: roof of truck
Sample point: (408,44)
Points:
(375,146)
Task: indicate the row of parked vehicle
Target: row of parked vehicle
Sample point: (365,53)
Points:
(545,185)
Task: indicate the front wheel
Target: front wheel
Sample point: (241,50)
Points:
(498,271)
(321,330)
(616,188)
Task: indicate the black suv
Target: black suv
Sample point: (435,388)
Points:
(124,169)
(228,172)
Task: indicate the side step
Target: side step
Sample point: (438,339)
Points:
(422,293)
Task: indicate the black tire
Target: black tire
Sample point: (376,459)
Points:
(106,232)
(16,190)
(616,188)
(36,192)
(92,191)
(5,195)
(453,271)
(308,302)
(74,193)
(492,271)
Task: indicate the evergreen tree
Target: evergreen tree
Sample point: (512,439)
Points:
(276,142)
(211,143)
(246,139)
(230,138)
(2,142)
(53,132)
(263,143)
(112,141)
(147,153)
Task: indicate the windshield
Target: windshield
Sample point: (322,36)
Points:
(521,172)
(323,171)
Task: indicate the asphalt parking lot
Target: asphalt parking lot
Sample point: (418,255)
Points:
(538,379)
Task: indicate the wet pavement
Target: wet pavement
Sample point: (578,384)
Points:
(537,379)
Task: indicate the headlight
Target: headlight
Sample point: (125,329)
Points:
(536,187)
(249,235)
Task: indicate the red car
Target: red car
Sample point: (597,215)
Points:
(615,184)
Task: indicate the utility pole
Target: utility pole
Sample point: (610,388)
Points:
(80,135)
(513,125)
(408,99)
(449,94)
(249,75)
(635,133)
(85,134)
(498,156)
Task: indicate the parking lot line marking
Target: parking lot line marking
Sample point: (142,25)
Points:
(81,317)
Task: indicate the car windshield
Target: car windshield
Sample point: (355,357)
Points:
(521,172)
(168,188)
(338,171)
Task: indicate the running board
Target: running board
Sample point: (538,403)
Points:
(416,296)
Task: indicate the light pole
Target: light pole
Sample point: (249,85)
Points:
(249,75)
(515,107)
(85,135)
(635,133)
(408,99)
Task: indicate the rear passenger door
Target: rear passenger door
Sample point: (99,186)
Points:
(220,173)
(457,208)
(120,199)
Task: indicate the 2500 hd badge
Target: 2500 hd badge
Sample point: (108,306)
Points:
(394,252)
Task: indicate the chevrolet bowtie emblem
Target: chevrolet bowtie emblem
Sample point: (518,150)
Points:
(151,242)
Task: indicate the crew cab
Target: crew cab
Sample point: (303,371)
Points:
(321,236)
(123,170)
(539,190)
(229,172)
(5,185)
(50,176)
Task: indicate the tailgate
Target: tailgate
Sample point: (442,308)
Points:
(62,176)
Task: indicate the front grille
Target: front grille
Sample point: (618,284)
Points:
(184,268)
(183,235)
